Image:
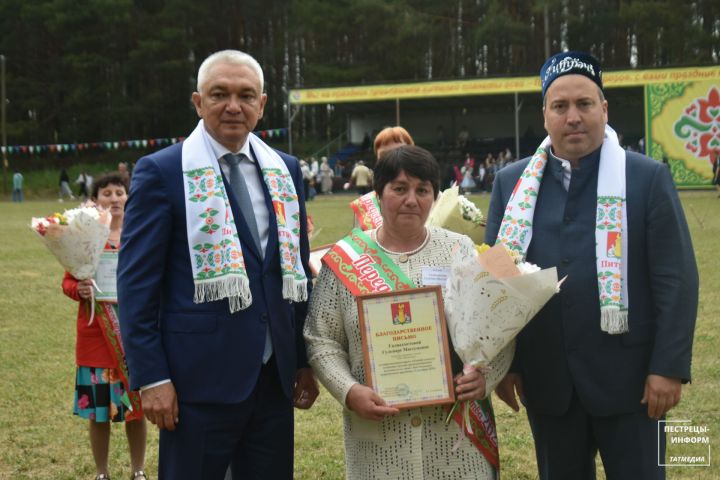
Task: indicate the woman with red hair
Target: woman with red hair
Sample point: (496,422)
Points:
(366,208)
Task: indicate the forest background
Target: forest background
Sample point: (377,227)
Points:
(103,70)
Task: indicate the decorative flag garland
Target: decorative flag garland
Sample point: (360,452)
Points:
(115,145)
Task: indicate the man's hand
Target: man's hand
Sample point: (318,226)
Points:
(306,389)
(470,386)
(506,390)
(661,394)
(160,405)
(368,404)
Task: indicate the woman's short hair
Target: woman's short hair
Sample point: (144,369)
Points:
(392,135)
(112,178)
(414,161)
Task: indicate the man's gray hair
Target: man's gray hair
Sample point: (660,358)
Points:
(235,57)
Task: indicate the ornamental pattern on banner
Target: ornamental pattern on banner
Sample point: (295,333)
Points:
(683,128)
(699,126)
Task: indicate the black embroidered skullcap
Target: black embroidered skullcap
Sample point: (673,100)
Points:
(566,63)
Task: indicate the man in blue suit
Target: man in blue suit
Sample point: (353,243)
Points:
(213,286)
(604,360)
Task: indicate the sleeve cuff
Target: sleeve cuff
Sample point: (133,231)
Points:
(153,385)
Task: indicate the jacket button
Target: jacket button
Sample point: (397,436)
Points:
(416,421)
(264,318)
(565,261)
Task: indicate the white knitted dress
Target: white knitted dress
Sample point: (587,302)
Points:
(416,444)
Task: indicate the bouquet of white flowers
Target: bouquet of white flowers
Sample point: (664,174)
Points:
(77,239)
(458,214)
(491,298)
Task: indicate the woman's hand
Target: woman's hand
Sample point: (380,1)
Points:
(85,288)
(470,385)
(368,404)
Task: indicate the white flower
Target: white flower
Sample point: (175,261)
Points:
(470,211)
(526,268)
(456,213)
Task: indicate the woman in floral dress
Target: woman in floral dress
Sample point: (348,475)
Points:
(101,395)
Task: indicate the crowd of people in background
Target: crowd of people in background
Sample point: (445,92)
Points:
(469,171)
(478,177)
(472,175)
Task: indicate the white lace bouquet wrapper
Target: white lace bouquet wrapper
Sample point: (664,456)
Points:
(484,313)
(78,241)
(456,213)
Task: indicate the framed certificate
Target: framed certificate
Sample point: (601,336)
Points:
(106,277)
(316,255)
(405,345)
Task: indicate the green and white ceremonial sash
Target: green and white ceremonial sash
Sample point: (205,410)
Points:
(363,267)
(367,211)
(611,238)
(215,253)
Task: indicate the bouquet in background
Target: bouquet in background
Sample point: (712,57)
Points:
(76,238)
(454,212)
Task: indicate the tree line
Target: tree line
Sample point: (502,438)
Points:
(93,70)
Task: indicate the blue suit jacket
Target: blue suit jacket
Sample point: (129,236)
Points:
(563,347)
(211,355)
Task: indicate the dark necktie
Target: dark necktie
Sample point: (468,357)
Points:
(240,189)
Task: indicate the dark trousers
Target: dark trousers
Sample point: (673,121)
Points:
(255,436)
(566,445)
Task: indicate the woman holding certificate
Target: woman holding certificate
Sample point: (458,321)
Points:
(101,387)
(402,255)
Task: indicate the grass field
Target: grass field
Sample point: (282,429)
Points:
(40,439)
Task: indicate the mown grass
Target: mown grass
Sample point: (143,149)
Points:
(40,438)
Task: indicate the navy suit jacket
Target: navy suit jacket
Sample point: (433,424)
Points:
(563,348)
(211,355)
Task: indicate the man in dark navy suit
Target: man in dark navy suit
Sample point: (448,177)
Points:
(212,280)
(605,359)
